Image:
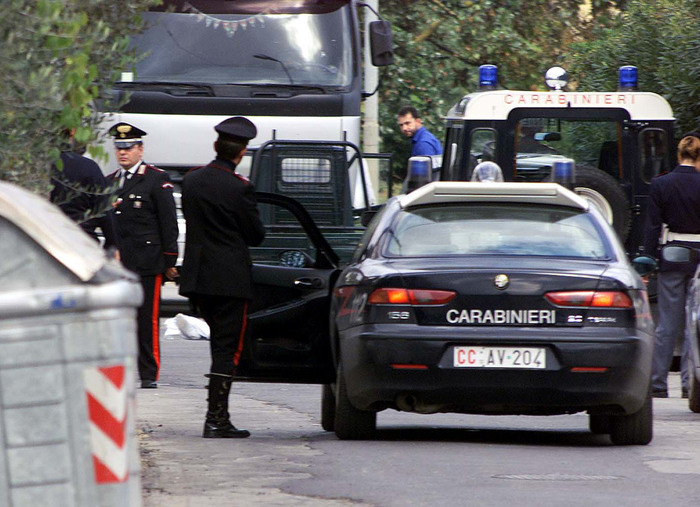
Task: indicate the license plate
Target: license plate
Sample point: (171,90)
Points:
(499,357)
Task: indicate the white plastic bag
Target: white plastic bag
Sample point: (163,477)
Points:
(192,328)
(171,330)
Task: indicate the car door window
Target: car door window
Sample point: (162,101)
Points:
(283,233)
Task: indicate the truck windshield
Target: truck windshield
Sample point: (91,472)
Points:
(197,45)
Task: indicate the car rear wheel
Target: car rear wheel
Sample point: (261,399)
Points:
(351,423)
(693,390)
(599,424)
(633,429)
(606,194)
(327,408)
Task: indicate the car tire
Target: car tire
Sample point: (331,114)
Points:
(693,390)
(633,429)
(606,193)
(327,408)
(351,423)
(599,424)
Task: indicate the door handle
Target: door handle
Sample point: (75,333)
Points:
(306,282)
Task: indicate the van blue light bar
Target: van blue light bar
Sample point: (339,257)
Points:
(628,78)
(488,77)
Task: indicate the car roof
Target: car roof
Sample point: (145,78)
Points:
(499,104)
(448,192)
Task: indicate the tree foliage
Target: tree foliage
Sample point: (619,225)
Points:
(56,57)
(440,44)
(660,38)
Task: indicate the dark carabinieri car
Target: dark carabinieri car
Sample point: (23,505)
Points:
(504,298)
(489,298)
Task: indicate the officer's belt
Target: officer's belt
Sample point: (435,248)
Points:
(679,236)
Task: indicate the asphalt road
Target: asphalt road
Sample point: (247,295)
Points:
(417,460)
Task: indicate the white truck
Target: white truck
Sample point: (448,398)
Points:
(294,68)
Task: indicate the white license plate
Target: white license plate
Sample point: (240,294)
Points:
(499,357)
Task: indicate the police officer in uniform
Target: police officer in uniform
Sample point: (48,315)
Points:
(147,228)
(81,191)
(222,221)
(674,201)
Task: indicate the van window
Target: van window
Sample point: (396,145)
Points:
(653,152)
(482,147)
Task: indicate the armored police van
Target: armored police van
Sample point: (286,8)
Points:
(618,140)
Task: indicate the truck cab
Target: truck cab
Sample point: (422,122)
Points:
(295,69)
(618,140)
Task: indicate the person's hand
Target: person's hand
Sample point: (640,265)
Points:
(171,273)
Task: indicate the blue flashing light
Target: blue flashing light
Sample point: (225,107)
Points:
(418,174)
(564,173)
(628,78)
(488,77)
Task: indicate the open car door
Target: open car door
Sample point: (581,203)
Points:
(293,275)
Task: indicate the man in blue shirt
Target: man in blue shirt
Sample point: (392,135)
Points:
(422,141)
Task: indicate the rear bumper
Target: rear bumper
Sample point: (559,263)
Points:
(373,382)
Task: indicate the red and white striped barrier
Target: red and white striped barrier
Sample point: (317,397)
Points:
(105,388)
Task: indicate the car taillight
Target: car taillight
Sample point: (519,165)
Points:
(414,297)
(590,298)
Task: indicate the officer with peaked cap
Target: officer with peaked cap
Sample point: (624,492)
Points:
(147,227)
(237,128)
(222,222)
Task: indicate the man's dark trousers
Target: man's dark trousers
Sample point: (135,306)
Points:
(147,322)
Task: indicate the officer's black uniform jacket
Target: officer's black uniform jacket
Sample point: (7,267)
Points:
(80,190)
(146,221)
(674,200)
(222,221)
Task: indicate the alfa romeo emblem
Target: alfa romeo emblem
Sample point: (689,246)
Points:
(501,281)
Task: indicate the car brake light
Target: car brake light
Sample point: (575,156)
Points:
(414,297)
(397,366)
(590,298)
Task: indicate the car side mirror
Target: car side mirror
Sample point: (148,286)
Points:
(548,136)
(677,253)
(644,265)
(381,43)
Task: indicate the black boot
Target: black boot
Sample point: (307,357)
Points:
(217,424)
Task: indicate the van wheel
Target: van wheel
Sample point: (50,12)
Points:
(607,195)
(327,408)
(351,423)
(633,429)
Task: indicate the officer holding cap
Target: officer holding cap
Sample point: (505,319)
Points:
(222,222)
(147,226)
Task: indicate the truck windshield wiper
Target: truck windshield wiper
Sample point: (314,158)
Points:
(167,85)
(285,86)
(284,67)
(210,90)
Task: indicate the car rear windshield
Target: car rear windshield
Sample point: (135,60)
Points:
(503,229)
